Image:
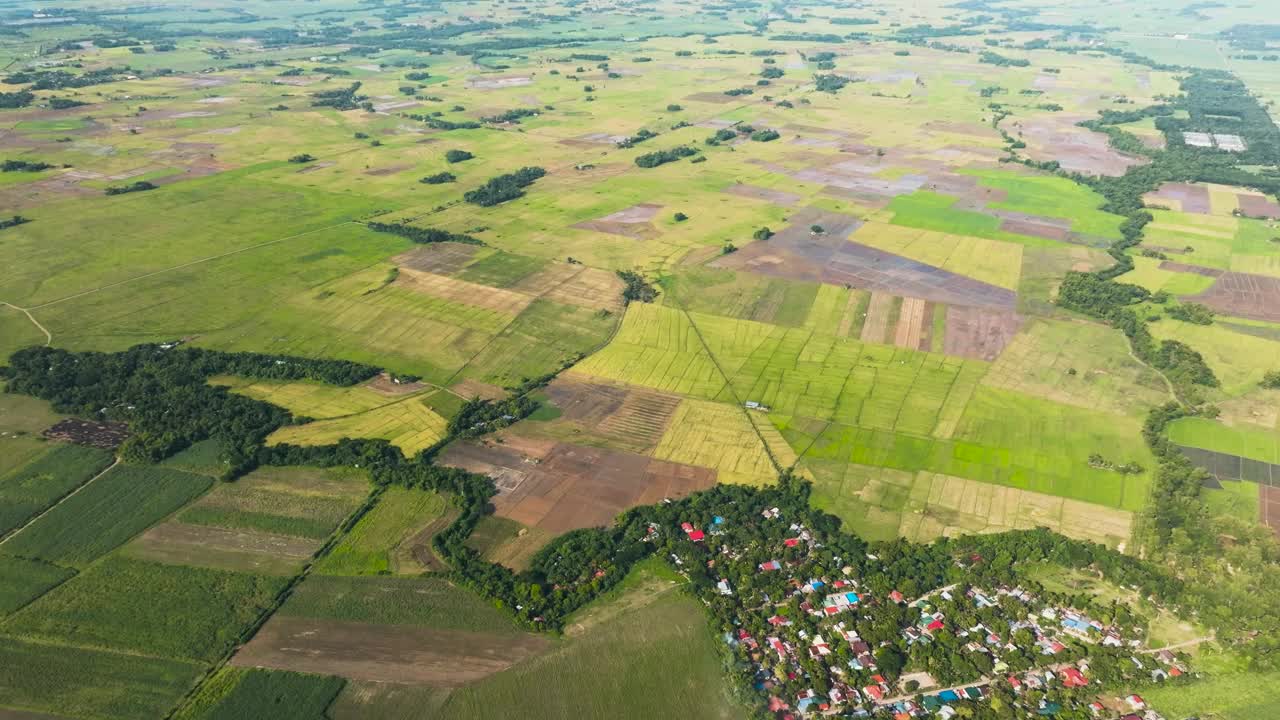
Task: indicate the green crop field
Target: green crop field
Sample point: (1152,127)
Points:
(77,682)
(374,545)
(1250,442)
(25,580)
(395,601)
(305,502)
(115,603)
(105,514)
(236,693)
(29,490)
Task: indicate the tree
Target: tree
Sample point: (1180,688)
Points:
(457,156)
(680,217)
(816,229)
(302,158)
(763,233)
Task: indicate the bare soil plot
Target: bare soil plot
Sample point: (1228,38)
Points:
(560,487)
(498,83)
(981,333)
(472,389)
(106,435)
(1042,227)
(1258,206)
(777,197)
(1057,137)
(633,222)
(178,543)
(1256,297)
(441,258)
(1183,197)
(634,417)
(385,653)
(463,292)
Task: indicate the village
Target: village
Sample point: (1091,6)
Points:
(819,637)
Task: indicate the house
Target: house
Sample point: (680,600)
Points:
(791,542)
(697,536)
(779,621)
(1015,683)
(1165,657)
(935,625)
(897,597)
(1096,708)
(874,692)
(1136,702)
(1073,678)
(687,527)
(724,588)
(770,566)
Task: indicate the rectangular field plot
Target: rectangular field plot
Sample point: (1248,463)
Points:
(425,601)
(721,437)
(381,541)
(105,514)
(385,653)
(1252,443)
(882,503)
(656,347)
(299,502)
(541,340)
(990,261)
(314,400)
(409,424)
(236,693)
(252,551)
(148,608)
(77,682)
(27,491)
(22,581)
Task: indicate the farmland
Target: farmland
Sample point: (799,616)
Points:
(390,360)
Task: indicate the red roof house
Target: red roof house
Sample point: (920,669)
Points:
(873,692)
(1072,677)
(697,536)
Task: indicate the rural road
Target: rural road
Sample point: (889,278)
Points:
(48,335)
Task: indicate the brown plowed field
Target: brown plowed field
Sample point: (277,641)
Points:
(385,653)
(1256,297)
(442,258)
(979,332)
(567,486)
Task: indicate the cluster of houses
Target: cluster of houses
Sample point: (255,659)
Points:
(826,636)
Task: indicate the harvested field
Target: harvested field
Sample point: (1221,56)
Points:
(979,333)
(385,653)
(776,197)
(591,288)
(1256,297)
(506,302)
(106,436)
(440,258)
(498,83)
(1258,206)
(633,222)
(913,324)
(560,487)
(471,389)
(1037,227)
(1182,197)
(177,543)
(720,436)
(876,327)
(635,418)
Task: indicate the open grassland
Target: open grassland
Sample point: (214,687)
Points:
(116,604)
(507,542)
(77,682)
(1052,197)
(105,514)
(409,424)
(22,581)
(1239,360)
(620,664)
(22,419)
(29,490)
(236,693)
(721,437)
(1148,274)
(1229,692)
(427,601)
(1076,363)
(303,502)
(1249,442)
(202,458)
(925,210)
(373,546)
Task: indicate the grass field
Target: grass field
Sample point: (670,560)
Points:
(105,514)
(1229,692)
(22,419)
(374,545)
(28,491)
(1237,359)
(313,400)
(304,502)
(1254,443)
(115,604)
(236,693)
(76,682)
(427,601)
(22,581)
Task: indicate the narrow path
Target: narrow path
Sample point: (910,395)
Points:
(1176,646)
(48,336)
(51,508)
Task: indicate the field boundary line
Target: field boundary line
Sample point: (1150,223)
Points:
(190,264)
(48,335)
(61,500)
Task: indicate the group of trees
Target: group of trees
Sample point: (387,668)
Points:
(14,221)
(140,186)
(457,156)
(19,99)
(637,287)
(662,157)
(511,116)
(423,236)
(640,136)
(504,187)
(341,99)
(24,166)
(439,178)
